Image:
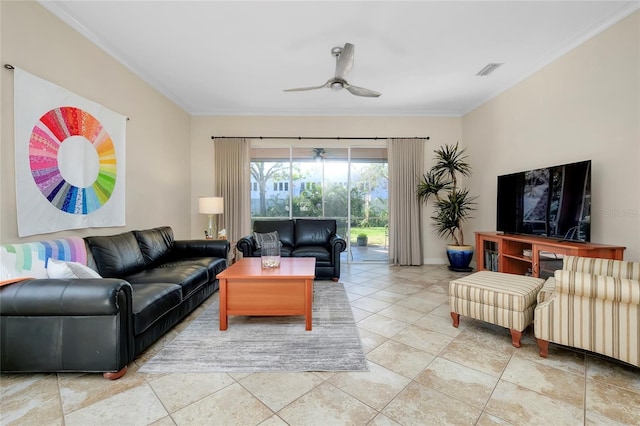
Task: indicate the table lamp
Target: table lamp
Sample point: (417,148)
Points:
(211,206)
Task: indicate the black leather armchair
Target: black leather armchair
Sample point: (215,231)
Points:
(302,238)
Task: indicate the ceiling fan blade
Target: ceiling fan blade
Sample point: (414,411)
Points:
(302,89)
(361,91)
(345,61)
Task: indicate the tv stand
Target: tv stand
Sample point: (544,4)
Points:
(535,256)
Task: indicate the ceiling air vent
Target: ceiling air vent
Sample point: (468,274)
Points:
(488,69)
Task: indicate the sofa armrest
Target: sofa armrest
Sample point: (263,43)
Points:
(246,245)
(64,297)
(547,290)
(337,243)
(183,249)
(66,325)
(543,320)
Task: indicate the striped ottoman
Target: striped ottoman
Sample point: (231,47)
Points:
(503,299)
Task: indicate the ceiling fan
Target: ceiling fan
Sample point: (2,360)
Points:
(344,62)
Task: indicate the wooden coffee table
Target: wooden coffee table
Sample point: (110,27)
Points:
(247,289)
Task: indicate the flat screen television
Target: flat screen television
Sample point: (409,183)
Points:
(552,202)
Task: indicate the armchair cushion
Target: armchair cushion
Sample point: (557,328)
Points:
(608,267)
(598,287)
(321,254)
(315,232)
(283,227)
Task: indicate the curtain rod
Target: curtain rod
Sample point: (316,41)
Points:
(337,138)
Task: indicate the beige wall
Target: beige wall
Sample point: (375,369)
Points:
(440,131)
(583,106)
(158,133)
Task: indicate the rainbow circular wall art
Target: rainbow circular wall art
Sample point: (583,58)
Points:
(68,125)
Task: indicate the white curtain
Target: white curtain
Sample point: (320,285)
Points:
(232,182)
(406,166)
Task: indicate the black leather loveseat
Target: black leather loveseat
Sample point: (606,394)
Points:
(301,238)
(150,283)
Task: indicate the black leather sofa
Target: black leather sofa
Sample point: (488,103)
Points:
(150,283)
(302,238)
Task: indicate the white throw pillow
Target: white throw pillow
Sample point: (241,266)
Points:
(62,269)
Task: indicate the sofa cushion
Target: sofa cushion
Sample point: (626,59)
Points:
(155,244)
(151,302)
(214,265)
(116,255)
(189,277)
(314,232)
(284,227)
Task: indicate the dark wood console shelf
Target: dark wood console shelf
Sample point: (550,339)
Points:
(535,256)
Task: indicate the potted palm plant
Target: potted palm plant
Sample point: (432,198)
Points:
(453,205)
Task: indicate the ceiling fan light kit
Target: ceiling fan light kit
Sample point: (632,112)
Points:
(344,63)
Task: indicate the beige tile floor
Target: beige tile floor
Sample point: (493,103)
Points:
(422,372)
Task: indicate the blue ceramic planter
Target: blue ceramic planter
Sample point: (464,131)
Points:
(460,258)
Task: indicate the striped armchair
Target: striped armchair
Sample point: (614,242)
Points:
(592,304)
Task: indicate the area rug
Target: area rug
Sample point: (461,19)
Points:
(268,344)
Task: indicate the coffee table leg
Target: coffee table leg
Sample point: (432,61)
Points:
(223,304)
(308,301)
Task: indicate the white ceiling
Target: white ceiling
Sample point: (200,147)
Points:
(235,58)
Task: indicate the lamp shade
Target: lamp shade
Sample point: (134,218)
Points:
(211,205)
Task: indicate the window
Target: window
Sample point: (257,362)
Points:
(348,184)
(281,186)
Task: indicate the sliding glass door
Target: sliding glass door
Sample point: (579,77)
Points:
(369,216)
(348,184)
